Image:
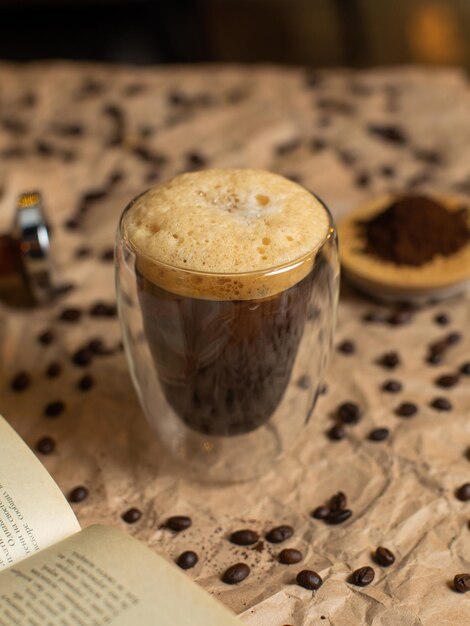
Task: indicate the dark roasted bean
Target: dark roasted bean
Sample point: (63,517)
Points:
(78,494)
(362,179)
(363,576)
(196,159)
(400,317)
(85,383)
(102,309)
(178,523)
(384,556)
(53,370)
(304,382)
(389,133)
(392,386)
(82,252)
(338,517)
(441,404)
(374,317)
(107,255)
(390,360)
(442,319)
(336,432)
(279,534)
(98,348)
(347,347)
(462,583)
(20,382)
(463,492)
(465,368)
(235,574)
(309,579)
(349,413)
(338,502)
(131,516)
(378,434)
(406,409)
(70,315)
(82,357)
(245,537)
(187,560)
(446,381)
(46,337)
(54,409)
(289,556)
(453,338)
(321,512)
(435,358)
(45,445)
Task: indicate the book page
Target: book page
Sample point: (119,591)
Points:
(102,576)
(34,513)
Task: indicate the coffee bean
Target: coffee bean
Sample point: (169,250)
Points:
(304,382)
(63,289)
(107,255)
(187,560)
(336,432)
(85,382)
(317,144)
(465,368)
(70,315)
(441,404)
(131,516)
(362,179)
(363,576)
(78,494)
(244,537)
(54,409)
(279,534)
(462,583)
(338,502)
(374,317)
(438,347)
(446,381)
(388,133)
(434,359)
(349,413)
(53,370)
(288,146)
(384,556)
(406,409)
(196,159)
(45,445)
(289,556)
(98,348)
(463,492)
(309,579)
(338,517)
(178,523)
(82,252)
(82,357)
(46,337)
(347,347)
(392,386)
(321,512)
(442,319)
(20,382)
(378,434)
(387,171)
(453,338)
(102,309)
(389,360)
(400,317)
(71,223)
(236,573)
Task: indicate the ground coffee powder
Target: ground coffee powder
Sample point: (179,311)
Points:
(414,229)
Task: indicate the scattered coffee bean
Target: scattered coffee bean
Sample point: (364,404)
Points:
(63,289)
(441,404)
(392,386)
(46,445)
(70,315)
(20,382)
(349,413)
(82,252)
(196,159)
(131,516)
(308,579)
(384,556)
(317,144)
(438,347)
(338,502)
(434,358)
(379,434)
(363,576)
(235,574)
(389,360)
(338,517)
(71,223)
(98,348)
(446,381)
(279,534)
(347,347)
(46,337)
(389,133)
(53,370)
(336,432)
(321,512)
(107,255)
(304,382)
(465,368)
(85,383)
(362,179)
(387,171)
(82,357)
(463,492)
(406,409)
(453,338)
(289,556)
(187,560)
(400,317)
(54,409)
(442,319)
(244,537)
(462,583)
(78,494)
(102,309)
(375,317)
(288,146)
(178,523)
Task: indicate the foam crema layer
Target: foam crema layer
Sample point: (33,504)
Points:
(230,234)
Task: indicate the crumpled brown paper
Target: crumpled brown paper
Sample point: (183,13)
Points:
(401,490)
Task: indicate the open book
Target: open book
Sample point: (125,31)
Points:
(52,573)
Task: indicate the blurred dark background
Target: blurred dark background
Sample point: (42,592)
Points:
(353,33)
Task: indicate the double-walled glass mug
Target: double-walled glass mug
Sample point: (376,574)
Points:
(227,284)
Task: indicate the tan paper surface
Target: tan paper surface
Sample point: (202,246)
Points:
(33,511)
(401,491)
